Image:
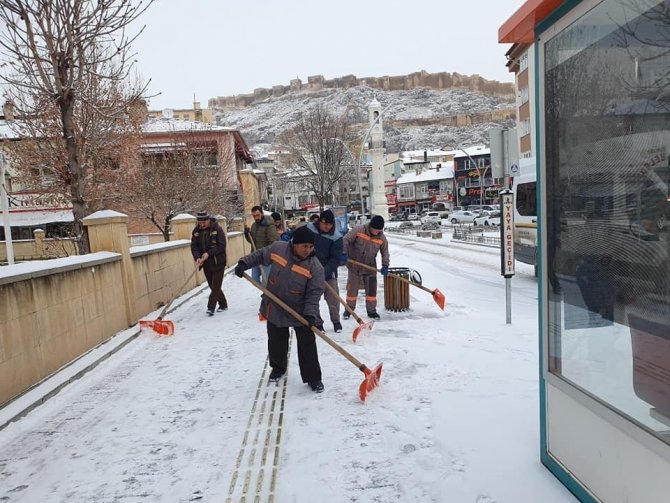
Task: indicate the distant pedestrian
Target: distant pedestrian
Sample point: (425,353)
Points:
(362,243)
(276,216)
(328,248)
(208,247)
(314,218)
(262,233)
(296,278)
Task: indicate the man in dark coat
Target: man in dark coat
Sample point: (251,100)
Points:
(296,278)
(208,247)
(262,233)
(328,248)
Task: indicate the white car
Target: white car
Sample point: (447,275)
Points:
(432,217)
(487,218)
(462,217)
(413,216)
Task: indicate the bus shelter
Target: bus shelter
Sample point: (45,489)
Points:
(602,128)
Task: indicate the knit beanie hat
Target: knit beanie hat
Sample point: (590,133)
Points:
(303,235)
(276,216)
(327,217)
(203,216)
(377,222)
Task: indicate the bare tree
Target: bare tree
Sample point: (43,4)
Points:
(193,171)
(67,67)
(315,154)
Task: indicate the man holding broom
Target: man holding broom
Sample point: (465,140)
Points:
(208,247)
(362,243)
(296,278)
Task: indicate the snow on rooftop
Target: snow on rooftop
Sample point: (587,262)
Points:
(446,171)
(474,150)
(163,125)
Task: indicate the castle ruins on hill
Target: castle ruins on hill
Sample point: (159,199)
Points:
(441,80)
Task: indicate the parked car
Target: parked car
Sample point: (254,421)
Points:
(487,218)
(413,216)
(405,224)
(431,217)
(462,217)
(483,207)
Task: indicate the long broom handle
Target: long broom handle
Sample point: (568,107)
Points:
(160,316)
(346,306)
(302,320)
(365,266)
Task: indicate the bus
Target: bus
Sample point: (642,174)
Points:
(524,189)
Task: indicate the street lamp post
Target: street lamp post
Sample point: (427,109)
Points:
(358,169)
(4,195)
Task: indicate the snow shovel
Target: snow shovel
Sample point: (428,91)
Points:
(159,325)
(362,325)
(438,296)
(371,380)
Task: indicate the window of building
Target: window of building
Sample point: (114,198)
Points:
(405,191)
(608,208)
(523,62)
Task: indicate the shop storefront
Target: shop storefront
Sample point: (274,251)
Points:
(603,139)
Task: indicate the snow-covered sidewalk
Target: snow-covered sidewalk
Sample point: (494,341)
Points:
(191,417)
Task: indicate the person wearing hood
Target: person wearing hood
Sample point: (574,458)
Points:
(297,279)
(362,243)
(328,249)
(262,233)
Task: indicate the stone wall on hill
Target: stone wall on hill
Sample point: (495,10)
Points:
(441,80)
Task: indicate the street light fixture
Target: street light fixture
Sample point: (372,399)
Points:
(358,170)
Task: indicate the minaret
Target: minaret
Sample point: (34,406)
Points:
(378,205)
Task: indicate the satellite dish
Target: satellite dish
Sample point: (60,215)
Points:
(168,113)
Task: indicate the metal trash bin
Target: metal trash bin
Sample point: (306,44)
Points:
(396,292)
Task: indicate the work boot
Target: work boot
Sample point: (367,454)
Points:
(275,375)
(210,312)
(346,315)
(222,308)
(317,386)
(373,315)
(337,327)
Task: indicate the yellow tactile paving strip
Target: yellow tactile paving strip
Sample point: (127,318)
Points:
(257,467)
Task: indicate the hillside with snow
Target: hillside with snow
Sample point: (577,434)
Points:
(415,119)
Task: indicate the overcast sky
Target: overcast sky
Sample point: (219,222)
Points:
(221,48)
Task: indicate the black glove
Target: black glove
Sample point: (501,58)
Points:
(246,231)
(311,320)
(240,268)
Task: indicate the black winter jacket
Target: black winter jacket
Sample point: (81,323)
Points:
(328,248)
(212,241)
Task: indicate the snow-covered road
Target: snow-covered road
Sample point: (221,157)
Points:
(191,418)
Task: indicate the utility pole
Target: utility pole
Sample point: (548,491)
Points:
(4,195)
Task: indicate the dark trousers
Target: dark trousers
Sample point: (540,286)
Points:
(308,358)
(215,280)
